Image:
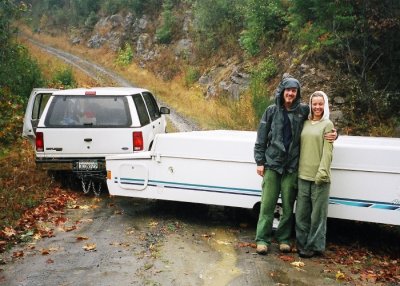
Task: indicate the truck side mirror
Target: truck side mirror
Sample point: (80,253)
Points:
(164,110)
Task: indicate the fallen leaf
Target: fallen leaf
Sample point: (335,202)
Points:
(89,247)
(60,220)
(37,236)
(46,251)
(222,242)
(82,237)
(69,228)
(286,258)
(49,261)
(207,235)
(31,246)
(243,244)
(340,275)
(298,264)
(18,254)
(9,231)
(153,223)
(86,220)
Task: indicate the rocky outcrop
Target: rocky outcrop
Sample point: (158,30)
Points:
(225,79)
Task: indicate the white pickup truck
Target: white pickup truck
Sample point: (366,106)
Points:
(74,130)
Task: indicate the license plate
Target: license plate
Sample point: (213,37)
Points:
(88,165)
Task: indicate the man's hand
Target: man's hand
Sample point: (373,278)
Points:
(260,170)
(331,136)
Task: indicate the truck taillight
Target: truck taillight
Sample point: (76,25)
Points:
(39,142)
(90,92)
(137,141)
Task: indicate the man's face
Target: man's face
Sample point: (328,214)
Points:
(289,95)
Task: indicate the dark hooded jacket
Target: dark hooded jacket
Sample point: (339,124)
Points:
(269,149)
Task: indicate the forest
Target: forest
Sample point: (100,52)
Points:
(358,40)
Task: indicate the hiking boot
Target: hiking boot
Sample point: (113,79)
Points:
(306,253)
(284,247)
(262,249)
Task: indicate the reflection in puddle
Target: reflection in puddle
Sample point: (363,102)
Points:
(224,270)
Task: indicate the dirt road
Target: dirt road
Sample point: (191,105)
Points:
(142,242)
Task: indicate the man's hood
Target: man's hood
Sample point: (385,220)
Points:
(288,82)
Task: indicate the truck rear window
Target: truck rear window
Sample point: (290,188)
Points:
(88,111)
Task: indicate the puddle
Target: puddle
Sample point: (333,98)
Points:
(282,278)
(224,270)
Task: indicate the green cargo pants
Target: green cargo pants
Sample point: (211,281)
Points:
(274,184)
(311,214)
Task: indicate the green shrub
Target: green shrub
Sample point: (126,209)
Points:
(91,21)
(191,76)
(11,117)
(125,55)
(265,70)
(64,77)
(18,71)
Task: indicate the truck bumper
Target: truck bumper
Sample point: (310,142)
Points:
(76,165)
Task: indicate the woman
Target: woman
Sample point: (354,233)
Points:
(314,178)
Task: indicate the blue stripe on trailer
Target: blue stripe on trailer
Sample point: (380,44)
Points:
(364,204)
(194,187)
(252,192)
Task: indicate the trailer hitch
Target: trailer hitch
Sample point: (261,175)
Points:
(90,186)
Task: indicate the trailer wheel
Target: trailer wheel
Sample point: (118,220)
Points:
(277,213)
(256,210)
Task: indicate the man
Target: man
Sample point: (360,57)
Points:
(277,152)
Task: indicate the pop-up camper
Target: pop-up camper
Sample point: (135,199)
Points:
(217,168)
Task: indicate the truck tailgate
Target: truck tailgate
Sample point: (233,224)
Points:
(72,142)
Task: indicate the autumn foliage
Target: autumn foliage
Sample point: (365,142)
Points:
(28,197)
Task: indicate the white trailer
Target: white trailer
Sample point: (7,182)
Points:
(217,168)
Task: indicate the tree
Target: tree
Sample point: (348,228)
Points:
(214,21)
(262,21)
(164,33)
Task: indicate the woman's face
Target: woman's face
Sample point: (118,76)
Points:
(317,107)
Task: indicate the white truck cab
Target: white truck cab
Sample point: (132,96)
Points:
(75,129)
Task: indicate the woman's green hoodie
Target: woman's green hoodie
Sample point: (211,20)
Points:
(269,149)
